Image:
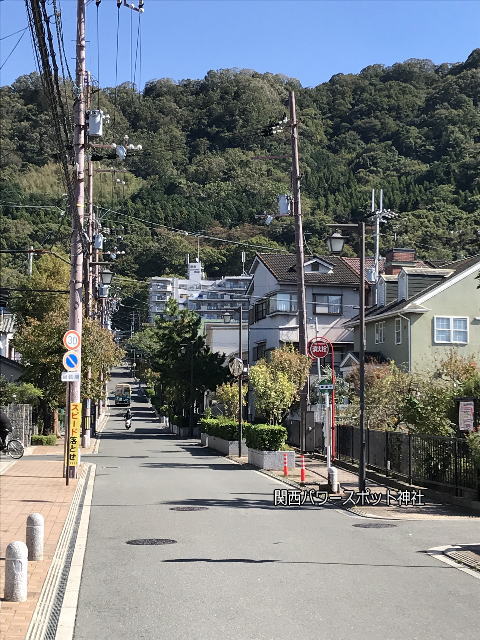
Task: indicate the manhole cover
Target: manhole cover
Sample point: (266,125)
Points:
(188,508)
(374,525)
(151,541)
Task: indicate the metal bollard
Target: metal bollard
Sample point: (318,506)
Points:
(16,572)
(333,479)
(35,535)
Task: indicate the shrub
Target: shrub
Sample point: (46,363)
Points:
(473,440)
(44,440)
(223,428)
(265,437)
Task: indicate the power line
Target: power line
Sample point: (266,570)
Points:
(193,233)
(15,46)
(14,33)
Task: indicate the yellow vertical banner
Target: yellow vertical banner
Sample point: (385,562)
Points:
(75,433)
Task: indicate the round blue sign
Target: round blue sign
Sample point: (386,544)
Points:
(71,361)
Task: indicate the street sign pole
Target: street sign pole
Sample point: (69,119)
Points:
(318,348)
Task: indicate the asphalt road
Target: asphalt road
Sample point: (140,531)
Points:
(242,569)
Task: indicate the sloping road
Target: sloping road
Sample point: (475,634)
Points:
(243,570)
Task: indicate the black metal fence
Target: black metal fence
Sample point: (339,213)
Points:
(435,461)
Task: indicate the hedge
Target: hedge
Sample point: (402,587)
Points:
(44,440)
(223,428)
(266,437)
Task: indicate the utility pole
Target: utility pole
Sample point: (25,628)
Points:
(362,343)
(77,207)
(240,381)
(87,409)
(300,261)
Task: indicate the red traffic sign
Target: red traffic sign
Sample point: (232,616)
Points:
(318,348)
(71,339)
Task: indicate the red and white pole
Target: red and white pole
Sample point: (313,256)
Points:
(302,470)
(285,464)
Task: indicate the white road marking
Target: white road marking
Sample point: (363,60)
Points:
(439,554)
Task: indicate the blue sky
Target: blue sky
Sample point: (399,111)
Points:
(308,39)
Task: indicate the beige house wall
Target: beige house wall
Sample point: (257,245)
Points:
(461,299)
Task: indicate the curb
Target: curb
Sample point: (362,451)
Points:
(66,621)
(442,554)
(47,612)
(102,424)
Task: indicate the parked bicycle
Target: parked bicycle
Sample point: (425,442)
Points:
(14,448)
(11,446)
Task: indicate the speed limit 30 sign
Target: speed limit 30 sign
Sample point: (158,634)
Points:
(71,339)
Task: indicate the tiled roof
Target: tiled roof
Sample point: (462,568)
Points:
(354,263)
(282,266)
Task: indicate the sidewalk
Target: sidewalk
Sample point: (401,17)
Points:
(316,477)
(33,484)
(30,486)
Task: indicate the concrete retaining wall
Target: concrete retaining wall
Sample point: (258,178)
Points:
(270,459)
(227,447)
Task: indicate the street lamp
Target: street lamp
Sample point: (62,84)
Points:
(106,277)
(227,316)
(335,244)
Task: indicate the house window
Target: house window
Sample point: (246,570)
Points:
(379,332)
(326,304)
(398,331)
(315,266)
(259,351)
(261,310)
(283,303)
(451,330)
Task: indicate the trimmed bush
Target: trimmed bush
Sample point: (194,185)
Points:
(44,440)
(223,428)
(266,437)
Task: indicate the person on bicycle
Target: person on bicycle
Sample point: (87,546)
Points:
(128,414)
(5,429)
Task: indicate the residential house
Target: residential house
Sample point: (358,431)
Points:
(332,297)
(422,314)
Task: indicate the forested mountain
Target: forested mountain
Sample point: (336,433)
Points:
(412,129)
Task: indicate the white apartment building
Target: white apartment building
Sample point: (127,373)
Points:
(209,298)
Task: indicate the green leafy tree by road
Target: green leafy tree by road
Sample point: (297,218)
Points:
(227,395)
(277,382)
(185,366)
(50,273)
(41,347)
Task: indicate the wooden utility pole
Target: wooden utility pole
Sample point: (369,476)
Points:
(300,262)
(77,206)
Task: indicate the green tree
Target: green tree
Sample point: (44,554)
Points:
(41,346)
(50,273)
(278,381)
(227,395)
(186,367)
(18,392)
